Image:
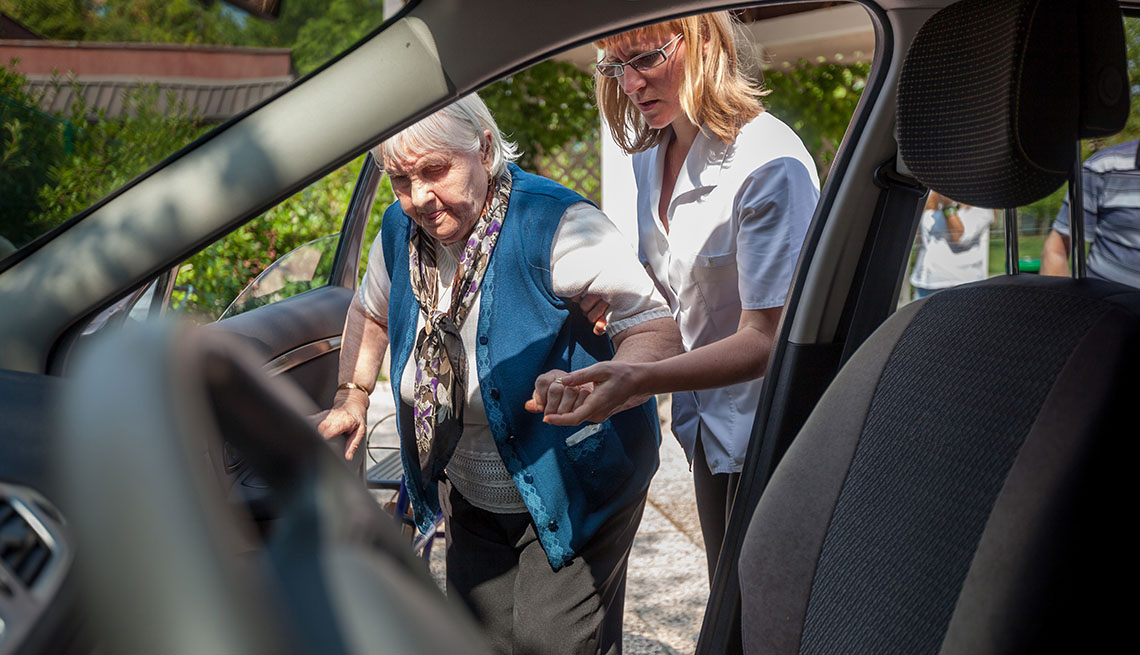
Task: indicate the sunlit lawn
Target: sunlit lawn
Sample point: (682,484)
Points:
(1029,253)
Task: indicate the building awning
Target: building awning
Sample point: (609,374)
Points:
(212,101)
(215,82)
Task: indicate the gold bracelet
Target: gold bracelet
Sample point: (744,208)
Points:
(353,385)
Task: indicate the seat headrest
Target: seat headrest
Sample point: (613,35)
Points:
(994,94)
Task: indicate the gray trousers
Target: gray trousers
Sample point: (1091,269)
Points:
(715,493)
(497,568)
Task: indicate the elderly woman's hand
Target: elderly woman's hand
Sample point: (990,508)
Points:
(551,397)
(349,416)
(612,387)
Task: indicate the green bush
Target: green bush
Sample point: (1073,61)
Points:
(50,170)
(210,280)
(543,108)
(31,142)
(817,101)
(53,166)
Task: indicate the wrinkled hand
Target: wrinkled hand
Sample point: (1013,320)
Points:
(613,387)
(595,310)
(349,415)
(552,397)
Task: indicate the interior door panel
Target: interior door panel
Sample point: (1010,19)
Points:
(299,337)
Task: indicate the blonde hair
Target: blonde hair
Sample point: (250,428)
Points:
(458,127)
(715,91)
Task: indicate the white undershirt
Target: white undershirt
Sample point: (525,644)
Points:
(588,255)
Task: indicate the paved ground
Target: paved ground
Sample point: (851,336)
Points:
(667,585)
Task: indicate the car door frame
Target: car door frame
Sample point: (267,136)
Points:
(298,336)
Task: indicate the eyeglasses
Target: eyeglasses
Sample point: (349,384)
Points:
(640,63)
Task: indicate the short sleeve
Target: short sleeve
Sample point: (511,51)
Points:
(1091,184)
(774,207)
(376,285)
(589,255)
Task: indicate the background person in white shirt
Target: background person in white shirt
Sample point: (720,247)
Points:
(725,195)
(955,245)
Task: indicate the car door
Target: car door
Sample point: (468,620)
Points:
(299,336)
(292,312)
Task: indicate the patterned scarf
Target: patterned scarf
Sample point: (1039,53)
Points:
(440,389)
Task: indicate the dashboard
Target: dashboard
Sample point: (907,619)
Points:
(39,608)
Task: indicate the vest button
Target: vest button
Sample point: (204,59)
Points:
(495,393)
(528,478)
(552,526)
(483,339)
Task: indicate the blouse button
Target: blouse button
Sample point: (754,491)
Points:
(483,339)
(552,526)
(528,478)
(495,393)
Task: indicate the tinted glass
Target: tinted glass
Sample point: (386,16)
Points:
(91,96)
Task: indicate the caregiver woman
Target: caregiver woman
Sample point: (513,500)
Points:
(725,193)
(472,280)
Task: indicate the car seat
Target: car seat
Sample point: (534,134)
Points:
(961,486)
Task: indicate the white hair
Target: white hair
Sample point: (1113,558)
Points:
(458,127)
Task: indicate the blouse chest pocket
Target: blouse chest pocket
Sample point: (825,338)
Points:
(715,268)
(716,279)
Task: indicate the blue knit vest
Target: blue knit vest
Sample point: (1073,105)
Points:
(571,478)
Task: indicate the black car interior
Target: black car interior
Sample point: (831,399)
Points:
(953,489)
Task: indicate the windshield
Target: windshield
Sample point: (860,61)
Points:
(94,93)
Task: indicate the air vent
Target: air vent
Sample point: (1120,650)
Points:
(22,550)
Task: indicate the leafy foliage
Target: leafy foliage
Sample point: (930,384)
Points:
(817,101)
(66,20)
(30,142)
(210,280)
(543,108)
(55,165)
(154,21)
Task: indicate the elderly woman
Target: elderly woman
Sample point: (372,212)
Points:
(473,280)
(725,193)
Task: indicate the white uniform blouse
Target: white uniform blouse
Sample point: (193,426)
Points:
(737,221)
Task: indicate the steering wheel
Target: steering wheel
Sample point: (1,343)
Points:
(169,565)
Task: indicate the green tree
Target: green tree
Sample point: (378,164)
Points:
(31,142)
(282,33)
(66,20)
(151,21)
(55,165)
(210,280)
(543,108)
(167,21)
(108,153)
(817,101)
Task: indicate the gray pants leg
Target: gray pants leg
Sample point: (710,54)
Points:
(497,568)
(714,502)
